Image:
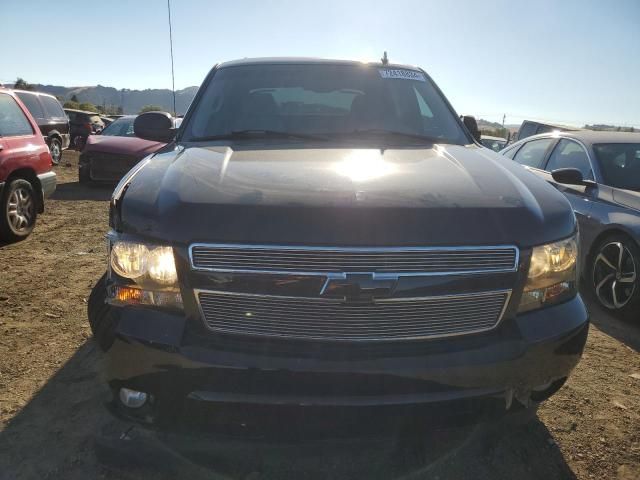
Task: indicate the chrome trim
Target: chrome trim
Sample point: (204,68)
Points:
(342,275)
(506,292)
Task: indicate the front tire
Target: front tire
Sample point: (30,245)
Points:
(19,210)
(55,148)
(101,318)
(614,277)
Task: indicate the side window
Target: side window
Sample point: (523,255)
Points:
(71,116)
(511,152)
(532,153)
(13,121)
(52,106)
(570,154)
(33,105)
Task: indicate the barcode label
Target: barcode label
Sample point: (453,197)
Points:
(402,74)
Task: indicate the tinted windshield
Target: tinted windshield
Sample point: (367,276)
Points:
(495,145)
(332,100)
(620,164)
(123,127)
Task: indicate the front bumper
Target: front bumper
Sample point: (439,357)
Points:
(66,140)
(155,353)
(48,182)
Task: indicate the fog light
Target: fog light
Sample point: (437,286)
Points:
(132,398)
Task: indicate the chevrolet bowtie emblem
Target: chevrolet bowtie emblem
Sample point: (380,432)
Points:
(358,287)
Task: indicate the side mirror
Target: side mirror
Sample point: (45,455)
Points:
(154,126)
(472,126)
(570,176)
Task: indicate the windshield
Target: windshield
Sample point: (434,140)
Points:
(123,127)
(620,164)
(335,101)
(495,145)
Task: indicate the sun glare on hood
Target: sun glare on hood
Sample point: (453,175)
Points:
(363,165)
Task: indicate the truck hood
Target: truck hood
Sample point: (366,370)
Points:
(443,195)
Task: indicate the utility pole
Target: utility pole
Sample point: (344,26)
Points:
(504,116)
(173,79)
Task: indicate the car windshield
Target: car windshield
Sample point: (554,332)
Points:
(335,102)
(123,127)
(493,144)
(620,164)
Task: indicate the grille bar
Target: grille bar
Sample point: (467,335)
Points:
(391,319)
(327,260)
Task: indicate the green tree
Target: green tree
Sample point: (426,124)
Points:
(88,107)
(71,104)
(21,84)
(74,98)
(151,108)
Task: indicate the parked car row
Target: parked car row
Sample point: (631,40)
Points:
(51,119)
(329,233)
(26,176)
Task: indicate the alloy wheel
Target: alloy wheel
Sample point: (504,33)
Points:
(614,275)
(20,209)
(56,152)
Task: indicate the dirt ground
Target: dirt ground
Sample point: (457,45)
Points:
(52,397)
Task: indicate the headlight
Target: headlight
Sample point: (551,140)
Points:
(153,271)
(138,261)
(162,266)
(552,274)
(129,260)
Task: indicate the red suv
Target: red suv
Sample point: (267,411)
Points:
(25,169)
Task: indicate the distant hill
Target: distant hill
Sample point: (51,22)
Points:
(486,124)
(130,100)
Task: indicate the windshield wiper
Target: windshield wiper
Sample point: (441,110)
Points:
(248,134)
(392,133)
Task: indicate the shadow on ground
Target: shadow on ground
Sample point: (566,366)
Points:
(54,435)
(81,191)
(627,332)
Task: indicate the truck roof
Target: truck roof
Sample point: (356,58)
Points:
(308,61)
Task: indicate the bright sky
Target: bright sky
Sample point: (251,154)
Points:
(570,61)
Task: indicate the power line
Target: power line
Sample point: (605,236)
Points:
(173,79)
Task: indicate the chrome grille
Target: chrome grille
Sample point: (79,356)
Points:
(324,319)
(322,260)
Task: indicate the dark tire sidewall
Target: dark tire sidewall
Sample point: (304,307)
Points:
(102,319)
(7,231)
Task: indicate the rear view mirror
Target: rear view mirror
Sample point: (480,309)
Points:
(155,126)
(472,126)
(568,176)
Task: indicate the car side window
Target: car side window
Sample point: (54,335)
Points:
(33,105)
(13,121)
(52,106)
(570,154)
(532,153)
(511,152)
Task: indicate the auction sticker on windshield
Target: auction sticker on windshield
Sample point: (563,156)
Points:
(402,74)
